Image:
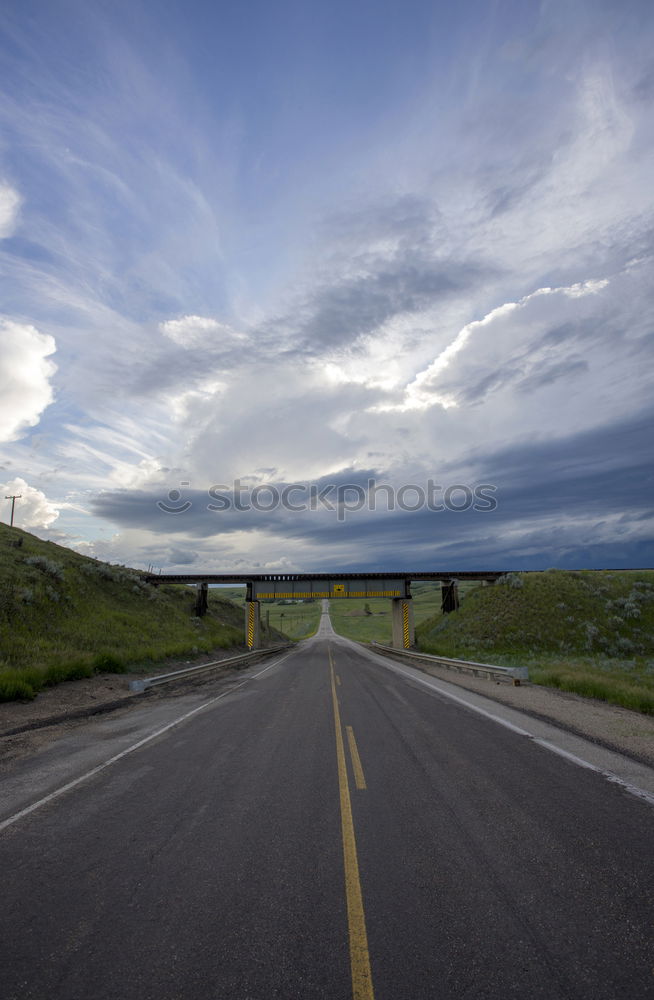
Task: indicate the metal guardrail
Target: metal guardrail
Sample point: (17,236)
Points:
(489,670)
(148,682)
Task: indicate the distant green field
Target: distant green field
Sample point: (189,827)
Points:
(349,615)
(587,632)
(350,618)
(296,620)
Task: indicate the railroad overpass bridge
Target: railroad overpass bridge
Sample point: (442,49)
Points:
(334,586)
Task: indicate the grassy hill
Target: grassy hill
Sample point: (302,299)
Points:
(589,632)
(63,616)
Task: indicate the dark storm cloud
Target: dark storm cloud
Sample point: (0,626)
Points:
(215,509)
(588,476)
(606,451)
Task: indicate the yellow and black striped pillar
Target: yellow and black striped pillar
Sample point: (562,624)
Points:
(404,635)
(252,624)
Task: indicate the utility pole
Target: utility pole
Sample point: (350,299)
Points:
(14,497)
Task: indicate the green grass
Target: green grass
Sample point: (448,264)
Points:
(619,682)
(64,616)
(349,616)
(295,620)
(591,633)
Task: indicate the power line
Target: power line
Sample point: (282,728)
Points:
(14,497)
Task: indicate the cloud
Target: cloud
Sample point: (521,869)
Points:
(423,391)
(198,331)
(33,510)
(417,291)
(10,202)
(582,500)
(25,374)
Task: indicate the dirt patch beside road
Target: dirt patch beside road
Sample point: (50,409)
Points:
(27,725)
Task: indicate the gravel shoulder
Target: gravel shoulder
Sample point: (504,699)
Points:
(610,726)
(27,726)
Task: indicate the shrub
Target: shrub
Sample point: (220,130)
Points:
(109,663)
(49,566)
(14,686)
(56,673)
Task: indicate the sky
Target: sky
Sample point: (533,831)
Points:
(318,286)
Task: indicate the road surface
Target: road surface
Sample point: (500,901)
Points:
(331,829)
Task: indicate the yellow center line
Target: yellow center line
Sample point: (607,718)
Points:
(359,956)
(338,680)
(359,778)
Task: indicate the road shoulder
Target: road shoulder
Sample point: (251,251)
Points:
(617,729)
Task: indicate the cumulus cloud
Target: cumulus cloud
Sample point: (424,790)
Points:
(10,202)
(198,331)
(33,509)
(25,374)
(423,392)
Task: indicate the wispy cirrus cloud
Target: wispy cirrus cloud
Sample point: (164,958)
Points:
(10,202)
(198,331)
(402,255)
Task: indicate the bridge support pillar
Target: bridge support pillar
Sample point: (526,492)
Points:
(449,596)
(404,633)
(252,624)
(201,599)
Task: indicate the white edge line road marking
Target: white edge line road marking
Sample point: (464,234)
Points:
(136,746)
(640,793)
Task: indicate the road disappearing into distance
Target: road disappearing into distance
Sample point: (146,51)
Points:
(324,827)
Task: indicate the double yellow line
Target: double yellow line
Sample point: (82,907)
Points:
(359,955)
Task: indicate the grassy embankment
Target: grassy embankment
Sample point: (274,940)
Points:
(587,632)
(64,616)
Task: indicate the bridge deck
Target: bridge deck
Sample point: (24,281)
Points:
(300,577)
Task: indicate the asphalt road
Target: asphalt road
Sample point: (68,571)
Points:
(332,830)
